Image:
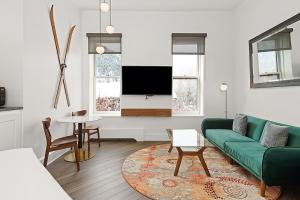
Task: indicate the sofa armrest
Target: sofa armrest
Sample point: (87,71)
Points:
(281,166)
(215,123)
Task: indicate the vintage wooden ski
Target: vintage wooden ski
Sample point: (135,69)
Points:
(62,64)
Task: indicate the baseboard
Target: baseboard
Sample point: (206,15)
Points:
(133,133)
(53,156)
(156,137)
(127,133)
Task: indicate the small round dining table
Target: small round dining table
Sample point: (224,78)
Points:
(80,120)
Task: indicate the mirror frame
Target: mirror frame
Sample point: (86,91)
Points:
(281,83)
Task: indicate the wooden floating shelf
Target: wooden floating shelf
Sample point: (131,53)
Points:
(137,112)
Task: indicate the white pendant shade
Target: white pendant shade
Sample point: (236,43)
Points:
(110,29)
(100,49)
(224,87)
(104,7)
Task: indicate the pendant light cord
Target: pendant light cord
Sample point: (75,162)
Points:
(110,12)
(100,20)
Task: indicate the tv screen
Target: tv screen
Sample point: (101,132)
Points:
(146,80)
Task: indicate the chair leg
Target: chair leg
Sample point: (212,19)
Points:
(46,157)
(262,188)
(89,144)
(98,133)
(77,157)
(83,139)
(170,149)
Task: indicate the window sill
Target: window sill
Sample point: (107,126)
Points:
(108,114)
(173,115)
(187,115)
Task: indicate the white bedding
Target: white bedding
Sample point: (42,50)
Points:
(23,177)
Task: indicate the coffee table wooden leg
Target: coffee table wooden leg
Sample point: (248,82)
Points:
(200,156)
(180,155)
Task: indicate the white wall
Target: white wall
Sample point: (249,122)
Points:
(252,18)
(41,70)
(147,41)
(11,50)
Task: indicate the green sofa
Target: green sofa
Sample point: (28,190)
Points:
(276,166)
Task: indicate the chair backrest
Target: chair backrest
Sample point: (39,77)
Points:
(79,113)
(46,124)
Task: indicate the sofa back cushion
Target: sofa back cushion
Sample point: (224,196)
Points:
(255,128)
(274,135)
(293,135)
(240,124)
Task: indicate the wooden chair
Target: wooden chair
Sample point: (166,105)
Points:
(89,129)
(60,143)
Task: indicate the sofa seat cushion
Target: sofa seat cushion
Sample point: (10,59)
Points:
(250,154)
(220,136)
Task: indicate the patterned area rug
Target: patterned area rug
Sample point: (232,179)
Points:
(150,172)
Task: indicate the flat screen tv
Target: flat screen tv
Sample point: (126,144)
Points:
(146,80)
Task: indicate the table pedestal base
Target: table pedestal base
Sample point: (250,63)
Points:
(83,156)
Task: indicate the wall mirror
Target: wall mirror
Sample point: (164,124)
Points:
(275,56)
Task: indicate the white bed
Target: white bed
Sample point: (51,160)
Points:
(22,176)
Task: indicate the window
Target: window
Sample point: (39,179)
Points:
(106,73)
(274,65)
(267,62)
(188,61)
(274,57)
(107,82)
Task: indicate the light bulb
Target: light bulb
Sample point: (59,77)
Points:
(224,87)
(104,7)
(110,29)
(100,50)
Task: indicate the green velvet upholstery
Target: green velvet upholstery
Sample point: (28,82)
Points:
(248,154)
(216,123)
(275,166)
(294,137)
(281,165)
(255,127)
(220,136)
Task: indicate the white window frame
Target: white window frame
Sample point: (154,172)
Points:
(200,89)
(103,113)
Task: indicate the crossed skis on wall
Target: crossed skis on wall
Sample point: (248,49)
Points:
(62,62)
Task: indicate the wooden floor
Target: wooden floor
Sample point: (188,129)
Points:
(100,178)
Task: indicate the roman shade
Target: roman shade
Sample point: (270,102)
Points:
(111,42)
(188,43)
(277,42)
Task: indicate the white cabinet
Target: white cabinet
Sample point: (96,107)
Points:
(10,129)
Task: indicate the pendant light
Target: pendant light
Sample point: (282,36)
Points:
(100,49)
(104,6)
(110,29)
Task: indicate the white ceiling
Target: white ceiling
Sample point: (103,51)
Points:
(163,5)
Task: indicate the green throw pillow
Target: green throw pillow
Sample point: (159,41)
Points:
(274,135)
(240,123)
